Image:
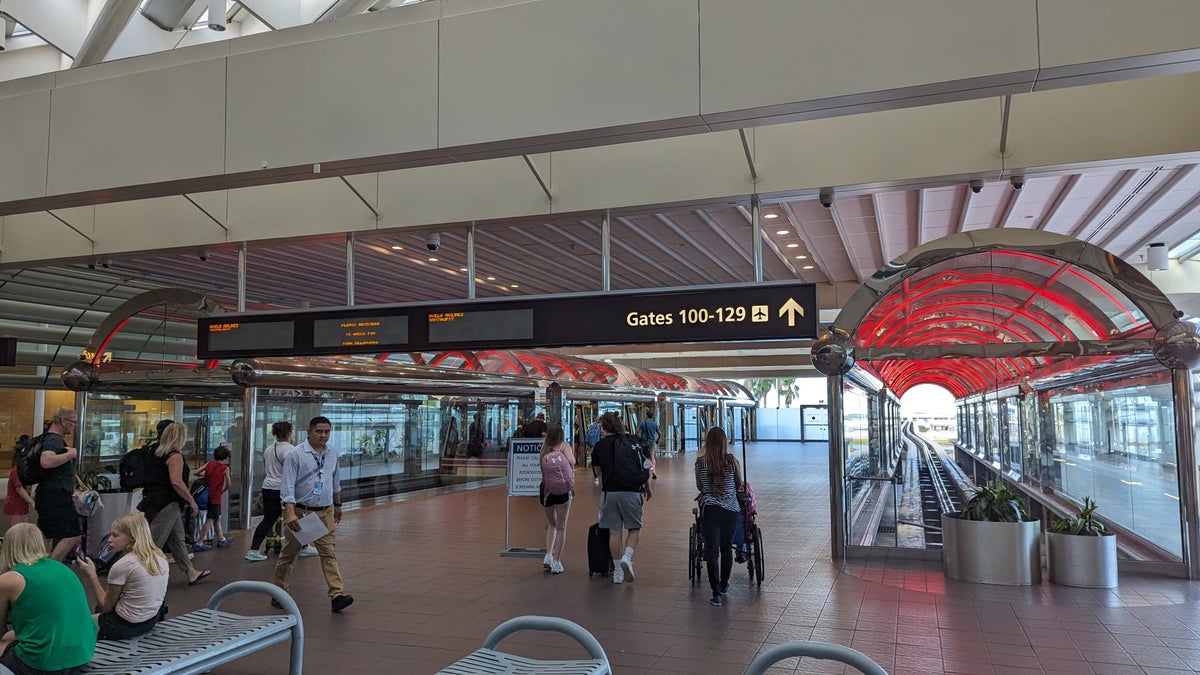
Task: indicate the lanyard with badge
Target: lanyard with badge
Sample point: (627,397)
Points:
(319,487)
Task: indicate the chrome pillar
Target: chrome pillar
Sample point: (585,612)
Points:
(471,262)
(756,229)
(1185,454)
(605,252)
(241,278)
(245,462)
(349,269)
(837,470)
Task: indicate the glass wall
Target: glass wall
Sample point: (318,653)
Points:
(114,424)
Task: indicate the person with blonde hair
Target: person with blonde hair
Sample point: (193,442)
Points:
(166,495)
(137,582)
(719,479)
(52,628)
(558,484)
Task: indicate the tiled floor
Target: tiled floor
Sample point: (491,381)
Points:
(430,583)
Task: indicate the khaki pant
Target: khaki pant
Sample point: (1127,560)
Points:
(325,548)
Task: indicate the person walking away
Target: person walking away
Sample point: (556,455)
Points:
(273,456)
(648,433)
(624,479)
(19,501)
(216,473)
(590,438)
(52,627)
(558,485)
(137,583)
(310,484)
(166,498)
(536,428)
(719,479)
(57,517)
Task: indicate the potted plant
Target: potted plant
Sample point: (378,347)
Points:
(992,540)
(1082,551)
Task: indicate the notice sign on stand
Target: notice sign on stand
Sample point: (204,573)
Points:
(524,480)
(524,466)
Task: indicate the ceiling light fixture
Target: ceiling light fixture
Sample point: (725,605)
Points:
(397,248)
(433,260)
(801,257)
(491,278)
(808,267)
(793,245)
(771,216)
(514,286)
(781,232)
(462,269)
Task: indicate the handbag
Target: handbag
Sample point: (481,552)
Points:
(85,499)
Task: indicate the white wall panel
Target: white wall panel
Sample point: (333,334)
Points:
(39,236)
(151,224)
(766,52)
(295,210)
(450,193)
(357,96)
(567,65)
(146,127)
(688,168)
(25,139)
(1080,31)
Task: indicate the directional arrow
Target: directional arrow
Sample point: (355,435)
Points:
(791,308)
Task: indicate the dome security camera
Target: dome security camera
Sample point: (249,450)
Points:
(433,241)
(202,254)
(1018,182)
(976,186)
(826,197)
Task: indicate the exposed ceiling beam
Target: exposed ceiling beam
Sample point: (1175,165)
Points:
(964,206)
(63,24)
(637,231)
(1164,229)
(1060,198)
(1014,197)
(1110,206)
(817,258)
(920,224)
(877,212)
(1180,176)
(845,239)
(112,19)
(716,257)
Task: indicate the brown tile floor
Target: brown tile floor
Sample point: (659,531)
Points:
(430,583)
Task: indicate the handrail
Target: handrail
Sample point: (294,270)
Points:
(817,650)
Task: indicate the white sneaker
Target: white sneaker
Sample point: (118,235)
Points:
(556,567)
(618,575)
(255,556)
(596,481)
(626,567)
(548,561)
(308,551)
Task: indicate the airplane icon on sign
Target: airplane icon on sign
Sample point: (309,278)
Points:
(759,313)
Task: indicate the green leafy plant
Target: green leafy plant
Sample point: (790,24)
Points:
(995,503)
(1084,524)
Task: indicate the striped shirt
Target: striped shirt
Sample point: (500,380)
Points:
(723,494)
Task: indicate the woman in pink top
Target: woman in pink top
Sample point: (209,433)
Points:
(137,583)
(18,501)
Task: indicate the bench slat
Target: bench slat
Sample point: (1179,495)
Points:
(491,661)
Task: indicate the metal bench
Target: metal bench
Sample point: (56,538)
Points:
(488,660)
(199,641)
(817,650)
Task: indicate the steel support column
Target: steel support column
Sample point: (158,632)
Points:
(756,230)
(471,261)
(241,278)
(1185,453)
(837,471)
(349,269)
(245,462)
(605,252)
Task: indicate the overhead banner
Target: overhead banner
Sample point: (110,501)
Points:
(524,467)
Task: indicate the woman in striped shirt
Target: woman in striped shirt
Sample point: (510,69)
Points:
(719,479)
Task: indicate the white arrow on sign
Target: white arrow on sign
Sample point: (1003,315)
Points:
(791,308)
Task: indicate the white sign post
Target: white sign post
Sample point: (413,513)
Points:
(524,480)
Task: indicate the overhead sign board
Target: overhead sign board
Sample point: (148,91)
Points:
(758,312)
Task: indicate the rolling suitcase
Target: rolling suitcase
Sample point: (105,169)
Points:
(599,558)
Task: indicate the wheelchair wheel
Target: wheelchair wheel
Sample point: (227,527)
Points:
(692,544)
(757,547)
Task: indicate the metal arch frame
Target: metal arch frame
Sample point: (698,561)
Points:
(111,325)
(1152,302)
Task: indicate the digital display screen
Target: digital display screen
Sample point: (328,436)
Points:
(478,326)
(360,331)
(239,336)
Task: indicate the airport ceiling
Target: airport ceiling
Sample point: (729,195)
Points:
(53,309)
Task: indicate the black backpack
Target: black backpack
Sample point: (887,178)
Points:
(29,461)
(630,463)
(135,470)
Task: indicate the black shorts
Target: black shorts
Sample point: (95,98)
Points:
(214,509)
(10,660)
(554,500)
(57,517)
(113,627)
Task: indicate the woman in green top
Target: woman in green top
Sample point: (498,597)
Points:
(53,630)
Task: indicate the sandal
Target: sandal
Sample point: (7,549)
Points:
(200,577)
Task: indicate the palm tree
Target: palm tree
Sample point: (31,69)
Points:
(759,388)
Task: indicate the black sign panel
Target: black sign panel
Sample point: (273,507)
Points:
(760,312)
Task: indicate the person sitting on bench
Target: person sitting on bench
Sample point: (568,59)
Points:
(137,583)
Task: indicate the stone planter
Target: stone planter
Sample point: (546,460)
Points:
(991,553)
(1083,561)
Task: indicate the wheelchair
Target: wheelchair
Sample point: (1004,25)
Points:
(749,550)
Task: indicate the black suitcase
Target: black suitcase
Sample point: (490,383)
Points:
(599,558)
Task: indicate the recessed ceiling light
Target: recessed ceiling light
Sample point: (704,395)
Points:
(808,267)
(462,269)
(433,260)
(793,246)
(397,248)
(771,216)
(514,286)
(781,232)
(491,278)
(801,257)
